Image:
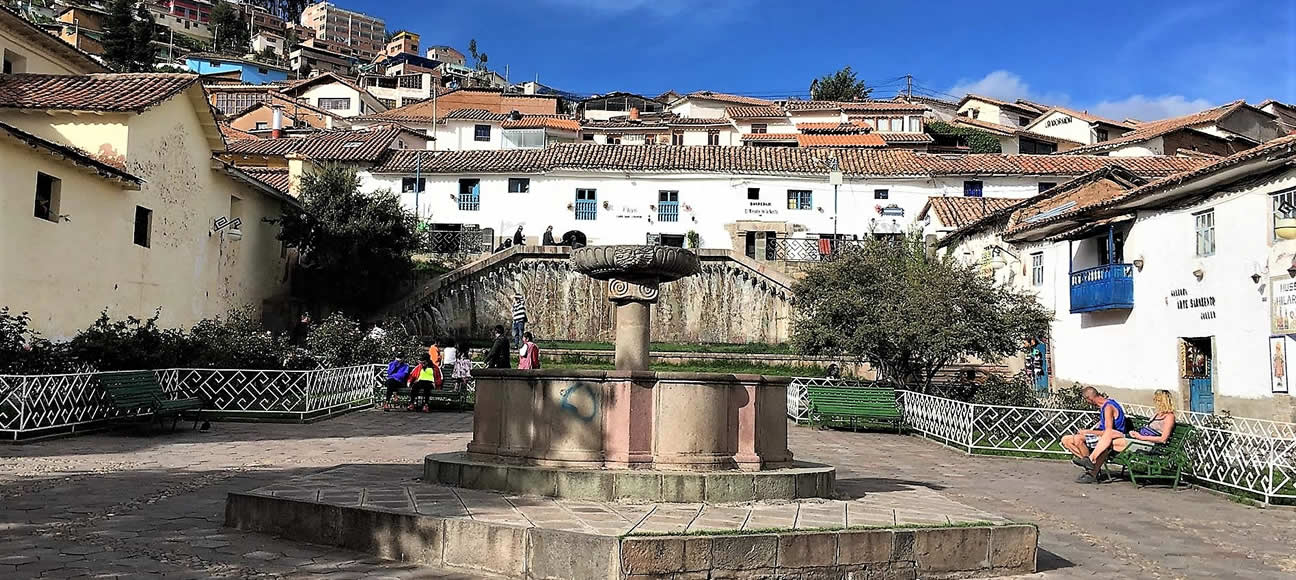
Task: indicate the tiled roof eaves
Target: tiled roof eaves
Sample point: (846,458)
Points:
(107,93)
(75,156)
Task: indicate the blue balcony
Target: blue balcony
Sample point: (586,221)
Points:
(1107,287)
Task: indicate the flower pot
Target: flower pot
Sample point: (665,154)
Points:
(1285,228)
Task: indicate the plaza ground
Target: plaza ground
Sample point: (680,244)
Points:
(123,505)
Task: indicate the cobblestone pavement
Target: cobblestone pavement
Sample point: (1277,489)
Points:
(124,505)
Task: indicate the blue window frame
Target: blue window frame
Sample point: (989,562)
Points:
(469,194)
(800,199)
(972,188)
(668,206)
(586,204)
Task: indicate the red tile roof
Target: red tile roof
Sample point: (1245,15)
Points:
(728,98)
(367,145)
(894,137)
(109,93)
(1008,130)
(231,134)
(327,77)
(788,160)
(856,106)
(73,155)
(473,115)
(274,177)
(758,112)
(789,137)
(857,140)
(1152,129)
(1020,106)
(844,128)
(956,212)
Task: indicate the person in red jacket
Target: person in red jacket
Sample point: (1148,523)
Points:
(425,377)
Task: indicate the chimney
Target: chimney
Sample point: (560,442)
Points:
(276,124)
(634,113)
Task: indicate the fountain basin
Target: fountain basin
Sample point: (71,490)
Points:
(630,420)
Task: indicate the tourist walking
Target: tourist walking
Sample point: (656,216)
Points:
(518,238)
(397,374)
(462,367)
(498,356)
(519,318)
(529,354)
(548,239)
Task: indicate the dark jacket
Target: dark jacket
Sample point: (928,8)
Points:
(517,238)
(498,356)
(548,239)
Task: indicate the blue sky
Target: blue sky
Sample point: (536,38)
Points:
(1141,59)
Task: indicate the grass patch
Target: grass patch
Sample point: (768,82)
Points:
(701,347)
(758,531)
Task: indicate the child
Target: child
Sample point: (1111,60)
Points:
(463,367)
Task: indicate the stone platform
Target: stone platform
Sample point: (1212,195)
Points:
(387,511)
(796,481)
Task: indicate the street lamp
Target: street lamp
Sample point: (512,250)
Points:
(835,178)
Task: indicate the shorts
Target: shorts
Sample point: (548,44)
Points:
(1139,445)
(1091,441)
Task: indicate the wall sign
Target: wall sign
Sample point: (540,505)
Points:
(1057,121)
(1280,363)
(761,208)
(1204,304)
(892,210)
(1282,315)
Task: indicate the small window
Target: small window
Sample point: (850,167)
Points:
(48,191)
(799,199)
(759,128)
(412,185)
(587,137)
(613,139)
(677,138)
(713,137)
(263,71)
(1100,135)
(261,125)
(335,104)
(143,226)
(519,185)
(481,132)
(753,193)
(881,194)
(1205,232)
(14,63)
(1022,121)
(1037,269)
(586,204)
(1046,185)
(972,188)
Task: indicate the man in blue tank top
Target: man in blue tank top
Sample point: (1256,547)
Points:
(1111,417)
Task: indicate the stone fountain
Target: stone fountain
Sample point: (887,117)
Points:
(537,431)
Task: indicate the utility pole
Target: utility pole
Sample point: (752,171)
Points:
(835,178)
(909,86)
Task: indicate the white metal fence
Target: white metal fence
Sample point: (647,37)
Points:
(40,405)
(1241,454)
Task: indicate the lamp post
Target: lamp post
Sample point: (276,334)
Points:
(835,178)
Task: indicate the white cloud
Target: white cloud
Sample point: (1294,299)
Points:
(999,84)
(1149,108)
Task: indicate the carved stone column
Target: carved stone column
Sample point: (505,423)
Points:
(634,302)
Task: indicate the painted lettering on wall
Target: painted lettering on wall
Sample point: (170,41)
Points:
(1057,121)
(1203,302)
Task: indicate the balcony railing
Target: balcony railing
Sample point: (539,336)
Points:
(668,211)
(469,202)
(586,209)
(1106,287)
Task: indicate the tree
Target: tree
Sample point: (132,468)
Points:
(119,37)
(355,247)
(289,10)
(479,58)
(229,28)
(144,30)
(839,86)
(909,313)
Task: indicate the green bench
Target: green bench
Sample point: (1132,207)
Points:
(1165,462)
(138,392)
(853,407)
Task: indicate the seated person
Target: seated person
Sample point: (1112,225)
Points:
(462,368)
(1111,420)
(423,379)
(397,374)
(1156,432)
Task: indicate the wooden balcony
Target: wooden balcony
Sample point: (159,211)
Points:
(1106,287)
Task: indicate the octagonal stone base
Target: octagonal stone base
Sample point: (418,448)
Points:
(630,419)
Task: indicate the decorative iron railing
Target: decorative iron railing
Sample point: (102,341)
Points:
(668,211)
(1106,287)
(586,209)
(469,202)
(808,249)
(459,243)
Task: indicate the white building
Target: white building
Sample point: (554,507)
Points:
(1222,130)
(335,94)
(1185,283)
(730,196)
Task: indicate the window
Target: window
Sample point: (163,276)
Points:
(613,139)
(48,191)
(799,199)
(1284,204)
(677,138)
(881,194)
(1032,147)
(469,194)
(519,185)
(481,132)
(975,113)
(713,137)
(1037,269)
(411,184)
(335,104)
(1205,232)
(915,124)
(143,226)
(972,188)
(586,204)
(1100,135)
(753,193)
(1046,185)
(667,206)
(263,71)
(587,137)
(262,125)
(759,128)
(1022,121)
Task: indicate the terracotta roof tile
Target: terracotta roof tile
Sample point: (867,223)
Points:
(728,98)
(473,115)
(894,137)
(115,93)
(1007,130)
(956,212)
(1020,106)
(543,122)
(231,134)
(755,112)
(841,128)
(856,140)
(274,177)
(1153,129)
(481,161)
(787,137)
(367,145)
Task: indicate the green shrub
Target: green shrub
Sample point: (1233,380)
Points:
(24,351)
(340,341)
(129,344)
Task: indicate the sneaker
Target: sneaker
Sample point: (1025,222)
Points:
(1076,461)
